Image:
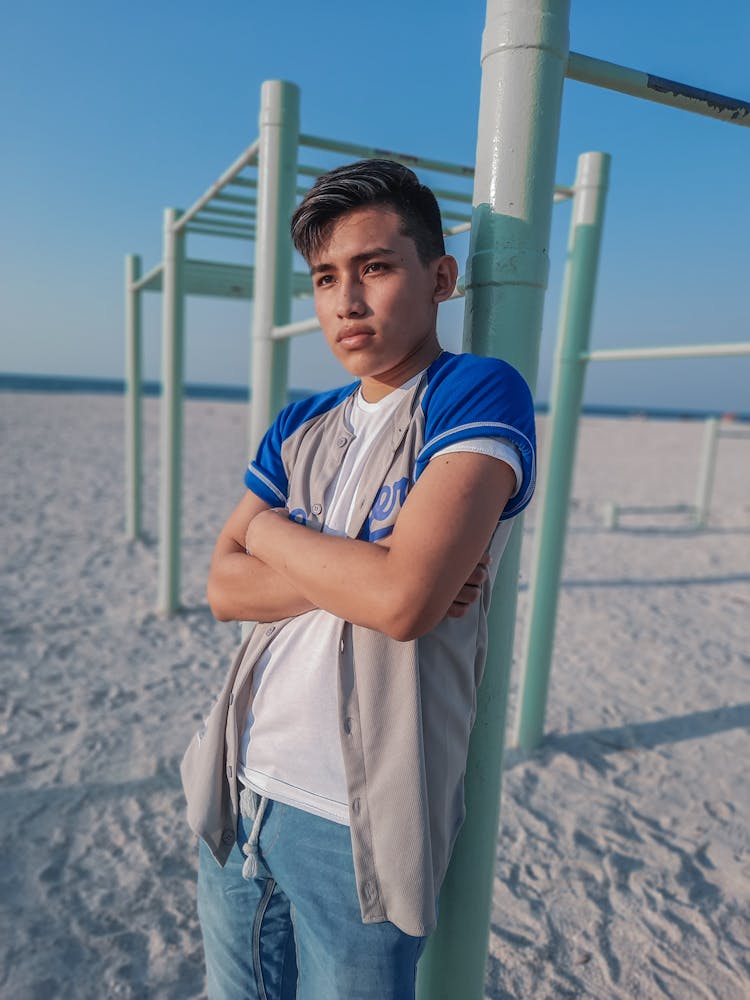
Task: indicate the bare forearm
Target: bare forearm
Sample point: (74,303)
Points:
(358,581)
(337,574)
(242,588)
(406,589)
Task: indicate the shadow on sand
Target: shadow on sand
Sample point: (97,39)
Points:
(594,744)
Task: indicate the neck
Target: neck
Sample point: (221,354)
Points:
(377,387)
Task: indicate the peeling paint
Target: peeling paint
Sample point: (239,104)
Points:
(717,103)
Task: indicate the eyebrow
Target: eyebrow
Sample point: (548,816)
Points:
(359,258)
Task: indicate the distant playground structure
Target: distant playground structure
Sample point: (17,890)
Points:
(699,510)
(525,58)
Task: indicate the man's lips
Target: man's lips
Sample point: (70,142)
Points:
(354,337)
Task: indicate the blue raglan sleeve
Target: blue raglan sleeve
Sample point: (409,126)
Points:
(471,397)
(266,475)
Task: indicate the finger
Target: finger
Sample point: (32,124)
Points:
(457,610)
(466,595)
(477,577)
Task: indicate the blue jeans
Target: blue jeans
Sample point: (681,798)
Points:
(295,929)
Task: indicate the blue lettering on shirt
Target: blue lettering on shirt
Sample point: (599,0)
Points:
(385,504)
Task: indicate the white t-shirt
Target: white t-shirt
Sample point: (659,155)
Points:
(290,748)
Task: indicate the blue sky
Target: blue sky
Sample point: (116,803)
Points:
(111,112)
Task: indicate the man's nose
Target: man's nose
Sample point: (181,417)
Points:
(350,299)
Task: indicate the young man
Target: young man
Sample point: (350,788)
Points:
(327,783)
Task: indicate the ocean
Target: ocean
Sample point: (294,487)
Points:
(12,382)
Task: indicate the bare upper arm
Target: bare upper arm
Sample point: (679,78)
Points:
(448,519)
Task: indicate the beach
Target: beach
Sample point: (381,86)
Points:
(623,854)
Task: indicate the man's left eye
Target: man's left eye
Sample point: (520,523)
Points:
(374,266)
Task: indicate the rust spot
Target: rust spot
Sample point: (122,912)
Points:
(737,109)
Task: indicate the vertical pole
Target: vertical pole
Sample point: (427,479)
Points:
(172,366)
(524,55)
(610,514)
(707,470)
(565,406)
(277,181)
(133,399)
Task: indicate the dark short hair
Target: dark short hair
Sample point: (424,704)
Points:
(362,184)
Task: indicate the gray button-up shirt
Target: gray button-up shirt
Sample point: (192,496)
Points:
(405,708)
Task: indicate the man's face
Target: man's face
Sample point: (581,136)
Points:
(376,301)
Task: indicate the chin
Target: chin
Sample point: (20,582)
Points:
(359,366)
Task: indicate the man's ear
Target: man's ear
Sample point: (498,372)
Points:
(446,275)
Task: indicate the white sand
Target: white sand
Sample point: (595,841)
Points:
(623,864)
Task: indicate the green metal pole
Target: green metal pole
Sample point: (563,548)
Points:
(567,391)
(277,183)
(133,399)
(524,53)
(172,372)
(707,470)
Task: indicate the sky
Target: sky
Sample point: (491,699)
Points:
(112,112)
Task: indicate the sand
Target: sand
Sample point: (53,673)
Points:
(623,860)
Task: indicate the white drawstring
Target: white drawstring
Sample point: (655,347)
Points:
(253,806)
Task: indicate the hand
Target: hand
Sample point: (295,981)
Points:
(256,525)
(470,590)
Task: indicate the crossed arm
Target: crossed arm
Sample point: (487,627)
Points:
(431,567)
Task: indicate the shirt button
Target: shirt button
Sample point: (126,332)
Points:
(270,630)
(227,837)
(317,508)
(229,770)
(347,726)
(341,441)
(355,807)
(231,698)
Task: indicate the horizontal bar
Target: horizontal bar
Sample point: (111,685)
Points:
(223,223)
(456,216)
(208,277)
(656,88)
(442,195)
(210,231)
(294,329)
(462,227)
(372,152)
(675,508)
(235,213)
(688,351)
(250,183)
(236,199)
(308,171)
(562,193)
(242,161)
(150,281)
